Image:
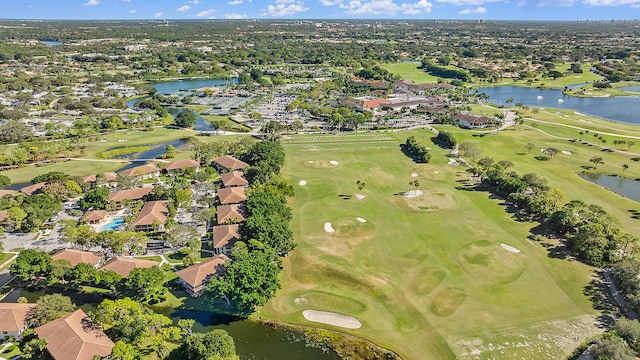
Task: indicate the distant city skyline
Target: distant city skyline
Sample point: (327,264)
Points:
(321,9)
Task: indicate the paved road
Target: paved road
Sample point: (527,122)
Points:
(608,279)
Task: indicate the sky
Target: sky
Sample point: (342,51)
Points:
(322,9)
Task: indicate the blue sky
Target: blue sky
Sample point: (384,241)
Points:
(322,9)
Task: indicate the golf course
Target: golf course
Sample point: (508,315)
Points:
(447,272)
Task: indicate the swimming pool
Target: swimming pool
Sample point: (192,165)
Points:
(113,225)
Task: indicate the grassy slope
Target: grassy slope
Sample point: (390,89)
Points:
(410,71)
(404,271)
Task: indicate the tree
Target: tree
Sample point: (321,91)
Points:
(415,184)
(529,147)
(4,181)
(249,281)
(51,307)
(180,234)
(16,215)
(551,152)
(146,281)
(360,185)
(96,199)
(624,168)
(629,330)
(214,345)
(35,349)
(612,348)
(596,160)
(31,264)
(123,351)
(186,118)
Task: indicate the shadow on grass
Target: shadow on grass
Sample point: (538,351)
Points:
(345,196)
(407,152)
(441,144)
(601,300)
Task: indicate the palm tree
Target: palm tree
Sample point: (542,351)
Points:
(415,184)
(360,185)
(596,160)
(624,168)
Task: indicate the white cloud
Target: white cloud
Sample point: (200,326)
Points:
(373,7)
(157,15)
(235,2)
(92,3)
(184,8)
(417,8)
(633,3)
(478,10)
(284,1)
(331,2)
(194,2)
(282,9)
(205,13)
(235,16)
(132,11)
(468,2)
(564,3)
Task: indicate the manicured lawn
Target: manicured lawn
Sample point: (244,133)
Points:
(410,71)
(427,277)
(559,83)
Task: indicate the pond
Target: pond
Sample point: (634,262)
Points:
(631,88)
(201,124)
(155,152)
(167,87)
(620,108)
(51,42)
(253,340)
(626,187)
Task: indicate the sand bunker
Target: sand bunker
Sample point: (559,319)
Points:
(414,174)
(412,193)
(329,228)
(567,152)
(333,162)
(310,162)
(453,162)
(361,220)
(543,149)
(436,172)
(302,182)
(510,248)
(359,196)
(347,322)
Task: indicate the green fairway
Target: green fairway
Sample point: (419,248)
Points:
(410,71)
(427,276)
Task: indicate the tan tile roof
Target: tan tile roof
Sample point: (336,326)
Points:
(13,317)
(234,178)
(123,265)
(94,215)
(4,193)
(130,194)
(75,256)
(231,163)
(140,170)
(75,337)
(109,176)
(153,211)
(224,234)
(32,189)
(224,212)
(196,275)
(181,164)
(4,217)
(232,195)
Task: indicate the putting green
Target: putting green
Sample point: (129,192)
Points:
(426,276)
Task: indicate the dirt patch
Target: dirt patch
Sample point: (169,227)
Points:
(330,318)
(322,164)
(484,261)
(447,301)
(431,200)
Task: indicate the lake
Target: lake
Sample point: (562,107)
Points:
(628,188)
(620,108)
(201,124)
(167,87)
(632,88)
(254,340)
(155,152)
(51,42)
